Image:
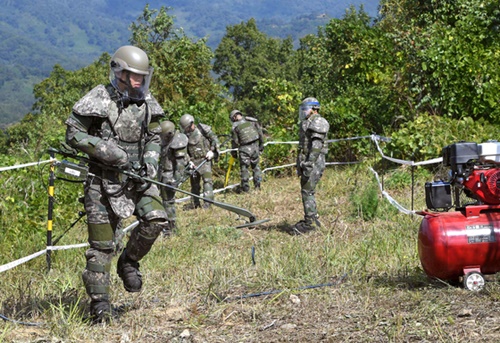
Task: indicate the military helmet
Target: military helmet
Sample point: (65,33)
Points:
(130,73)
(233,114)
(306,106)
(313,102)
(186,121)
(130,58)
(167,130)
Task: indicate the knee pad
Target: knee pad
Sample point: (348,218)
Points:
(151,209)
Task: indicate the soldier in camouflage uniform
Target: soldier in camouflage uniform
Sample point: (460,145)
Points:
(310,160)
(174,161)
(203,146)
(118,126)
(247,137)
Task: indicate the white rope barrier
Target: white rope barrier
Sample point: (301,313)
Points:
(19,166)
(22,260)
(374,138)
(388,197)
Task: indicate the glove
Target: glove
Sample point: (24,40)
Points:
(210,155)
(191,165)
(111,154)
(306,168)
(142,185)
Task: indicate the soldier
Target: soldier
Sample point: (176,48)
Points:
(174,161)
(203,146)
(246,136)
(310,160)
(118,127)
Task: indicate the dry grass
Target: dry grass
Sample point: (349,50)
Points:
(194,281)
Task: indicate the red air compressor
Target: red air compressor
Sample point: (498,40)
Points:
(463,242)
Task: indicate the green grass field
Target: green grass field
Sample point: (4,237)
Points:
(357,279)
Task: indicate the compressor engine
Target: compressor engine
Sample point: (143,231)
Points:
(464,243)
(474,171)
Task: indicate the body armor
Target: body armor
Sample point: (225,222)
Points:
(201,141)
(246,131)
(247,137)
(315,127)
(176,149)
(97,119)
(311,164)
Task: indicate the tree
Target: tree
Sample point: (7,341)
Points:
(349,67)
(245,56)
(449,53)
(182,81)
(55,97)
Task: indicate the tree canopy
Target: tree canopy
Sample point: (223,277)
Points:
(415,60)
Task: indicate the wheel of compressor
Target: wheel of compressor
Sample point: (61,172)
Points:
(474,281)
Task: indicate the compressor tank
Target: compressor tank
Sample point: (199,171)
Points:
(452,243)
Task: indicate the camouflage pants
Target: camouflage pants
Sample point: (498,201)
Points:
(168,195)
(102,225)
(308,186)
(205,174)
(249,156)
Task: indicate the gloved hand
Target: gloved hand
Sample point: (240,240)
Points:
(191,166)
(111,154)
(306,168)
(210,155)
(147,171)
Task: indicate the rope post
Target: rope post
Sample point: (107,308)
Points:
(50,210)
(412,181)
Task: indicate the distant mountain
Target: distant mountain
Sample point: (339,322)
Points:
(36,35)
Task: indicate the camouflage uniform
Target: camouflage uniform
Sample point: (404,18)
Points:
(248,138)
(200,141)
(117,136)
(311,162)
(173,162)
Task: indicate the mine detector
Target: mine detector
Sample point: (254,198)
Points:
(459,236)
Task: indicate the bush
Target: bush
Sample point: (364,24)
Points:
(425,137)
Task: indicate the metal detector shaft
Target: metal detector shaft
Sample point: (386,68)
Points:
(231,208)
(228,207)
(193,171)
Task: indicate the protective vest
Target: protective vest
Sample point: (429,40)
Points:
(246,131)
(198,144)
(134,129)
(128,127)
(176,149)
(315,127)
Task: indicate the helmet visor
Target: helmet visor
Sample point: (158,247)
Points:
(306,108)
(130,84)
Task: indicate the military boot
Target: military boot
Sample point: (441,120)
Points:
(100,311)
(169,230)
(128,271)
(306,225)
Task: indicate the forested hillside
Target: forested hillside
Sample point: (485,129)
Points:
(37,35)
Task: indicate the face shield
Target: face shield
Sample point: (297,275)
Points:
(306,108)
(130,83)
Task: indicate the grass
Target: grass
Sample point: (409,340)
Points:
(193,282)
